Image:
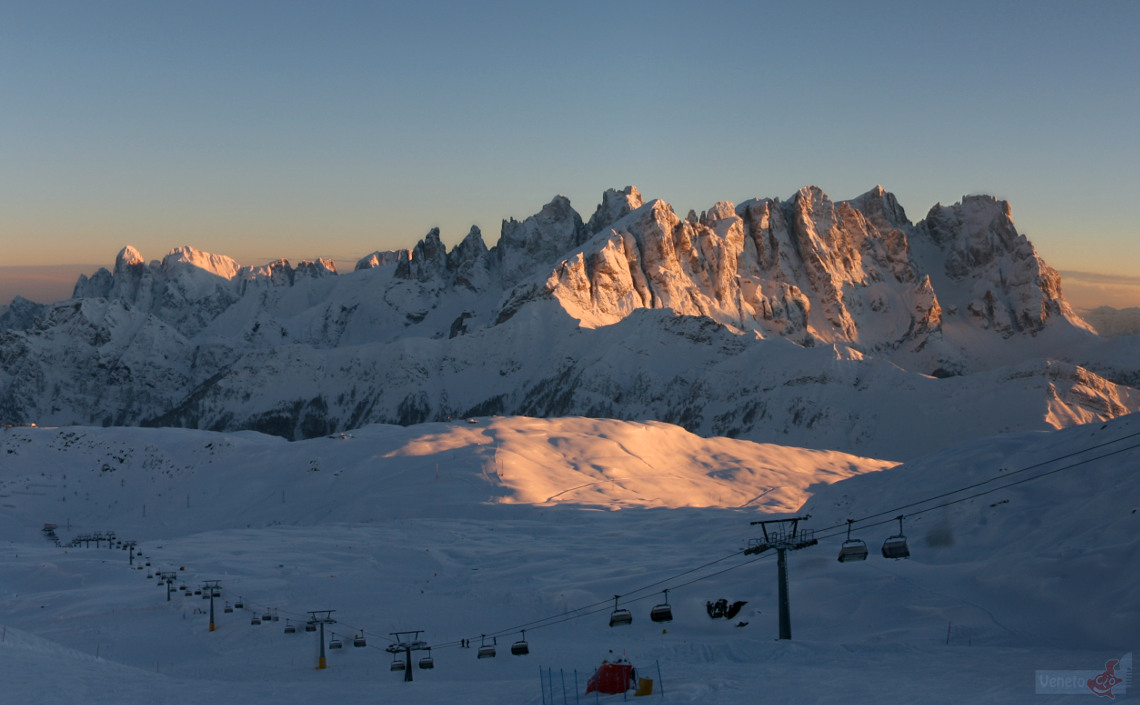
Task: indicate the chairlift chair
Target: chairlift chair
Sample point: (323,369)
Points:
(334,643)
(310,626)
(662,612)
(620,616)
(398,663)
(520,647)
(239,604)
(358,640)
(852,549)
(427,662)
(266,617)
(895,546)
(486,650)
(289,628)
(255,619)
(228,608)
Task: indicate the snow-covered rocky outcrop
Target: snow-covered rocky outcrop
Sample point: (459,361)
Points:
(805,321)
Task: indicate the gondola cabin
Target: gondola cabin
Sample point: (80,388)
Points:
(486,650)
(853,550)
(895,546)
(620,616)
(662,612)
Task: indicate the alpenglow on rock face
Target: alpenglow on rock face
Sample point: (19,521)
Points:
(805,321)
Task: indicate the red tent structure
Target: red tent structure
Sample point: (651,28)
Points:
(612,678)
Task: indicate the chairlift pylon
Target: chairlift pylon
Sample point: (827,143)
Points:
(662,612)
(620,616)
(852,549)
(895,546)
(520,647)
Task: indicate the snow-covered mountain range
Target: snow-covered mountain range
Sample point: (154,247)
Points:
(808,322)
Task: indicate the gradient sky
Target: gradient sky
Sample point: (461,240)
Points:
(333,129)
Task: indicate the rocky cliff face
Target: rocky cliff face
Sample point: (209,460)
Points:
(563,316)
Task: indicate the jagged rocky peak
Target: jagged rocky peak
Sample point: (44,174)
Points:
(541,239)
(426,260)
(380,258)
(881,208)
(467,262)
(615,205)
(314,269)
(219,265)
(127,257)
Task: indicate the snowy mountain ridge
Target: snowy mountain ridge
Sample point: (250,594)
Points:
(570,317)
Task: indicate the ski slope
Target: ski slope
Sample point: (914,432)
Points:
(487,527)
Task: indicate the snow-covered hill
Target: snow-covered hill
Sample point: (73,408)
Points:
(486,528)
(805,322)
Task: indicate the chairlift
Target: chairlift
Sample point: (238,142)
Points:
(662,612)
(267,617)
(852,549)
(398,663)
(217,593)
(358,640)
(520,647)
(895,546)
(228,608)
(239,604)
(310,626)
(255,620)
(198,591)
(334,643)
(620,616)
(427,662)
(486,650)
(289,628)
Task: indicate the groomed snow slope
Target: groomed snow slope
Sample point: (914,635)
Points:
(468,529)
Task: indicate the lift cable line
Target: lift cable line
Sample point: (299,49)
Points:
(1003,476)
(603,605)
(883,517)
